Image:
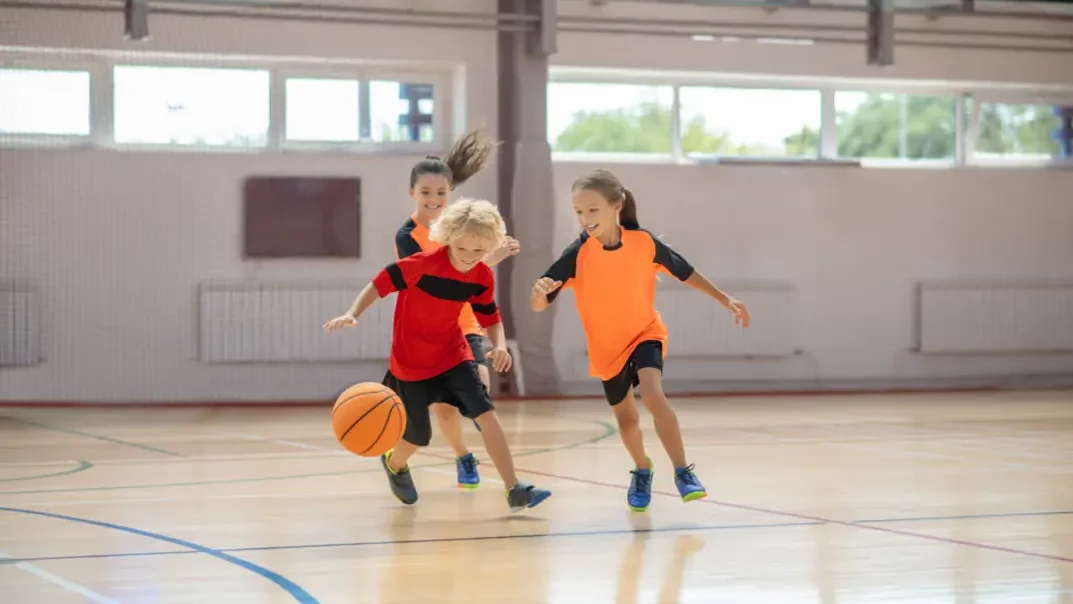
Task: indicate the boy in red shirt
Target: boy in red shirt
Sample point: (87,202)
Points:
(430,359)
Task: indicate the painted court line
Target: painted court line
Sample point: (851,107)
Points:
(300,595)
(107,439)
(595,533)
(81,466)
(71,586)
(819,519)
(350,544)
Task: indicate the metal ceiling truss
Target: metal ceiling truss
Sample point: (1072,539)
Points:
(541,22)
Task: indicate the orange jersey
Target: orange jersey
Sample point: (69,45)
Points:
(412,238)
(615,290)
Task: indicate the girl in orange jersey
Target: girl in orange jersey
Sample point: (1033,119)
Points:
(612,268)
(431,179)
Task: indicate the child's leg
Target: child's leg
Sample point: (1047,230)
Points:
(450,421)
(619,393)
(464,382)
(663,416)
(647,358)
(495,441)
(629,430)
(476,346)
(416,398)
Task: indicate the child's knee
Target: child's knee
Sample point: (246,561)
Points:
(444,411)
(627,418)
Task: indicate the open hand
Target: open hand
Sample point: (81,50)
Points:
(501,360)
(509,248)
(741,314)
(340,322)
(546,285)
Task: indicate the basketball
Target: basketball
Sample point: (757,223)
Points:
(368,419)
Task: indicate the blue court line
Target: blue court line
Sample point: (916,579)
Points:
(299,594)
(107,439)
(669,529)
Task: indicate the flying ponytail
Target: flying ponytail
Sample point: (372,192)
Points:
(467,156)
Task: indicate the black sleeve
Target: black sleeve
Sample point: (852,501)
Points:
(405,245)
(671,260)
(565,268)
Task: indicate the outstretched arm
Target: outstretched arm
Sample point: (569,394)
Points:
(364,300)
(392,278)
(682,270)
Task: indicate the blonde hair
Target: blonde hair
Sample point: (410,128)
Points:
(475,217)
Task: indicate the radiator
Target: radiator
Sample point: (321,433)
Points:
(700,327)
(275,323)
(20,328)
(995,318)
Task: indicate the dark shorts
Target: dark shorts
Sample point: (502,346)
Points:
(476,345)
(459,386)
(647,354)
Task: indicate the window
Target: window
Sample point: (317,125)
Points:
(610,118)
(40,101)
(401,112)
(322,110)
(191,106)
(749,122)
(896,126)
(1017,131)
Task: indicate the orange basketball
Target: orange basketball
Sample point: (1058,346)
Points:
(368,419)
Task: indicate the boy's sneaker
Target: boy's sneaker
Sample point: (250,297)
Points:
(639,494)
(468,478)
(524,495)
(689,486)
(402,483)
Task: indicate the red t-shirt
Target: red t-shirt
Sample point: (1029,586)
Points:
(412,238)
(426,340)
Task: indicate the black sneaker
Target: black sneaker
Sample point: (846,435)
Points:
(524,495)
(402,482)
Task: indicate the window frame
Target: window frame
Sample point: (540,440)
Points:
(101,64)
(966,121)
(1008,98)
(181,63)
(441,108)
(623,156)
(98,97)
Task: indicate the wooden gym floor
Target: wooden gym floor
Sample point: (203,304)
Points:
(959,498)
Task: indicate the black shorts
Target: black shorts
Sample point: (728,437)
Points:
(476,345)
(459,386)
(647,354)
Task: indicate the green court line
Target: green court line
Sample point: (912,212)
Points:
(83,465)
(609,431)
(108,439)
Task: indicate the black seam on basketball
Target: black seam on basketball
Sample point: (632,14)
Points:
(371,409)
(336,408)
(382,430)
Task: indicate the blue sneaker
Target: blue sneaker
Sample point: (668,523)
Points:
(468,478)
(689,486)
(639,495)
(524,495)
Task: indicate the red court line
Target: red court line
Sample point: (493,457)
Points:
(785,514)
